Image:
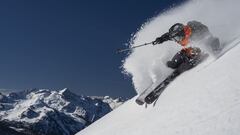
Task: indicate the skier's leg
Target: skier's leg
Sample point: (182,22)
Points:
(184,67)
(176,61)
(181,68)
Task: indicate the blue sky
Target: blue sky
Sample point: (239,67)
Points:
(70,43)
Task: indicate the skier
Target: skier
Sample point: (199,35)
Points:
(185,59)
(194,31)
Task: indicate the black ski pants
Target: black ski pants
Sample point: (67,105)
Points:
(180,62)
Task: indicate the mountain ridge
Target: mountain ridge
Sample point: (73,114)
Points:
(49,112)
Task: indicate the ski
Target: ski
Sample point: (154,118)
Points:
(153,89)
(150,98)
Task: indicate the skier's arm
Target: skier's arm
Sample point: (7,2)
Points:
(163,38)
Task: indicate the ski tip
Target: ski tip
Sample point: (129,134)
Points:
(139,102)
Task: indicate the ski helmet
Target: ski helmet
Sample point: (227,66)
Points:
(177,32)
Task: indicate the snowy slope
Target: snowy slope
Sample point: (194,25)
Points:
(204,100)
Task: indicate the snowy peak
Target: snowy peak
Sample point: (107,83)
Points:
(44,111)
(114,103)
(66,93)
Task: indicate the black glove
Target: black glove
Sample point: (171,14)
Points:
(162,39)
(158,40)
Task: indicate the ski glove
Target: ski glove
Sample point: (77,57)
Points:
(162,39)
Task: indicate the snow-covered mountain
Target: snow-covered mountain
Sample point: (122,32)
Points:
(51,112)
(202,101)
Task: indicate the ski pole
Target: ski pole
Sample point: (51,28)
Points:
(124,50)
